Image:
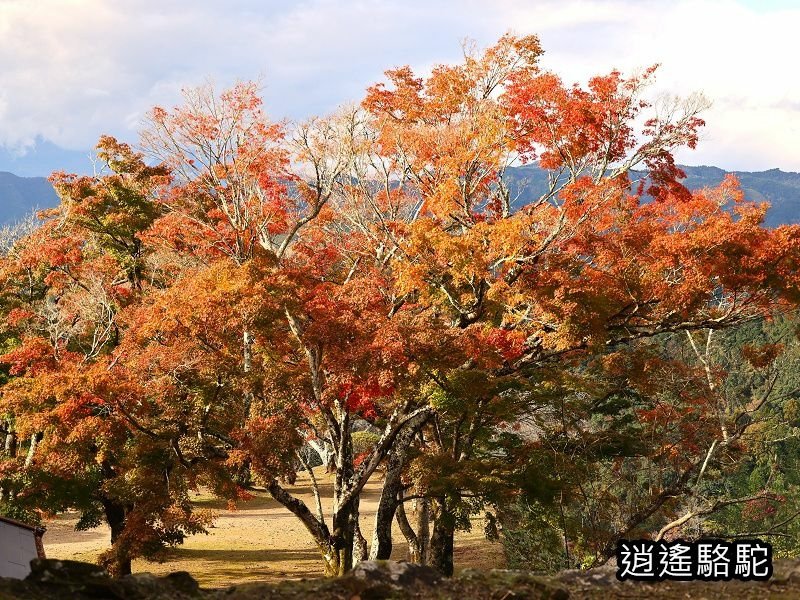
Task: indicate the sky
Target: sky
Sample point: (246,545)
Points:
(71,70)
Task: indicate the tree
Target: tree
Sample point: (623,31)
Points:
(65,284)
(684,451)
(401,227)
(289,280)
(592,265)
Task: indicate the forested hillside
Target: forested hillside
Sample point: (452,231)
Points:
(779,188)
(19,196)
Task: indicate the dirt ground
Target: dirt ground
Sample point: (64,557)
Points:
(260,541)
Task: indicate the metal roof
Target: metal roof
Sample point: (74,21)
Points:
(21,524)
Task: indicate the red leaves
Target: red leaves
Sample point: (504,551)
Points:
(581,129)
(560,124)
(17,316)
(493,347)
(34,355)
(361,397)
(268,444)
(665,178)
(762,356)
(758,509)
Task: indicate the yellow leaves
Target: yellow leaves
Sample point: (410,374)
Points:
(448,129)
(791,411)
(446,88)
(440,257)
(512,51)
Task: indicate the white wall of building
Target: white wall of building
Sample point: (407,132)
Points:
(17,549)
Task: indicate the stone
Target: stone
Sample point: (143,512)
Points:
(57,579)
(384,580)
(398,574)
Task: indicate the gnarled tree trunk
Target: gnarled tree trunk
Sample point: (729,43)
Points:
(414,543)
(115,516)
(441,548)
(391,492)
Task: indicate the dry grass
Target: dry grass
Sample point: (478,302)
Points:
(260,541)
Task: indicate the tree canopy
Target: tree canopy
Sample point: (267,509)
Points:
(236,290)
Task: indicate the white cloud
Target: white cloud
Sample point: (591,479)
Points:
(739,57)
(72,69)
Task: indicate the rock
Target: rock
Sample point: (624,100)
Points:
(599,576)
(786,571)
(397,574)
(48,570)
(507,584)
(183,582)
(384,580)
(71,579)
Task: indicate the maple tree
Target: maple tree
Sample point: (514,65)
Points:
(270,287)
(591,265)
(349,355)
(64,286)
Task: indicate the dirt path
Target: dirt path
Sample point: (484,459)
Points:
(260,541)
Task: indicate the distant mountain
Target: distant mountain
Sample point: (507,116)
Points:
(779,188)
(19,196)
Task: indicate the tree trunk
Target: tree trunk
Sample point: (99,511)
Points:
(342,540)
(11,442)
(316,527)
(381,548)
(247,362)
(359,542)
(423,529)
(326,455)
(390,491)
(337,543)
(10,452)
(414,546)
(115,516)
(35,439)
(441,548)
(343,543)
(331,564)
(345,513)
